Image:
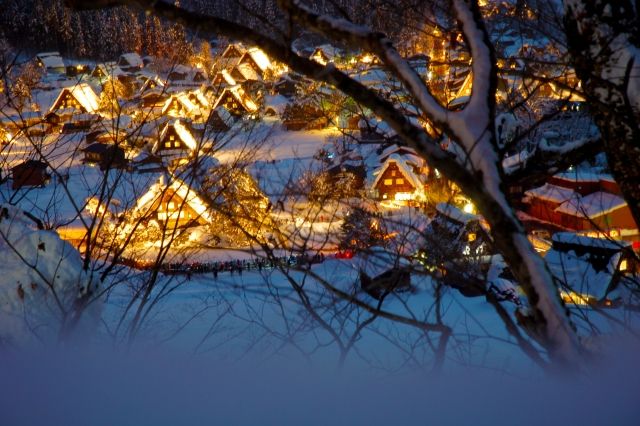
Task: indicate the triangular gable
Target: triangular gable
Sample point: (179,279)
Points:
(181,135)
(233,51)
(404,169)
(257,59)
(81,96)
(223,77)
(235,95)
(130,60)
(177,192)
(178,104)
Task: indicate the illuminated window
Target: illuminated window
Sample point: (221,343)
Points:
(167,144)
(171,205)
(624,265)
(176,144)
(388,182)
(399,181)
(393,173)
(471,236)
(171,138)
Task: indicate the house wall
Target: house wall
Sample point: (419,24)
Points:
(172,139)
(544,210)
(28,176)
(172,210)
(391,182)
(67,100)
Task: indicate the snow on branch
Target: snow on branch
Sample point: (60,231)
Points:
(375,42)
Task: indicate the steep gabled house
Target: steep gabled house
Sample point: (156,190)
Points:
(179,105)
(172,204)
(223,78)
(149,82)
(233,50)
(256,60)
(106,70)
(220,120)
(175,141)
(154,98)
(400,178)
(236,101)
(77,99)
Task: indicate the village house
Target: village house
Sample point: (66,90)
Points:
(236,101)
(382,272)
(175,142)
(51,62)
(223,78)
(219,120)
(130,62)
(173,205)
(77,99)
(253,64)
(589,271)
(581,201)
(180,105)
(29,174)
(401,177)
(107,156)
(106,70)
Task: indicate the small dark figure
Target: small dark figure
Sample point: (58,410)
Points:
(215,273)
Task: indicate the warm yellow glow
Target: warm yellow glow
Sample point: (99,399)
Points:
(573,298)
(469,208)
(79,67)
(367,59)
(624,265)
(403,196)
(471,236)
(261,58)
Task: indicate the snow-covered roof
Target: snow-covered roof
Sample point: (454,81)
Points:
(224,115)
(247,72)
(131,59)
(402,162)
(553,193)
(84,94)
(259,57)
(582,271)
(455,213)
(329,51)
(242,98)
(183,99)
(276,102)
(582,240)
(180,188)
(227,77)
(592,205)
(378,260)
(51,60)
(183,133)
(583,175)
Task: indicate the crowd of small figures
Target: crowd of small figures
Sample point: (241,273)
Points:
(231,266)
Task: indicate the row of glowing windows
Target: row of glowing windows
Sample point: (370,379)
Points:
(172,142)
(389,182)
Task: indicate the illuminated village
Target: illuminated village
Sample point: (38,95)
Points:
(227,174)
